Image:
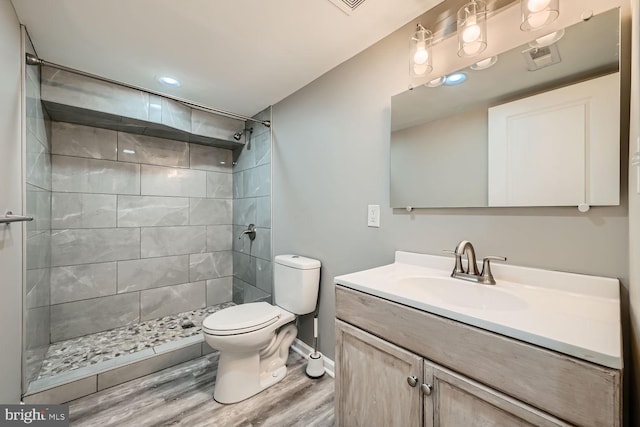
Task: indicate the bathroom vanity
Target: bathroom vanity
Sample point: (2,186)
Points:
(416,347)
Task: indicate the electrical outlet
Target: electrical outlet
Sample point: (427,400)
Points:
(373,215)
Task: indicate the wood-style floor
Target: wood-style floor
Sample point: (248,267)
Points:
(183,396)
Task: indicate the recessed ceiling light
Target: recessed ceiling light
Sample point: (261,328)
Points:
(169,81)
(455,79)
(484,64)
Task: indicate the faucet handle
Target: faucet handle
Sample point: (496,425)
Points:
(458,267)
(486,276)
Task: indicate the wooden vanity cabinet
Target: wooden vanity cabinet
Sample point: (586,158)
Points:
(398,366)
(373,388)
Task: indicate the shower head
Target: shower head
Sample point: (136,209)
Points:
(237,136)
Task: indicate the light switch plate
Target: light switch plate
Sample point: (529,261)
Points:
(373,215)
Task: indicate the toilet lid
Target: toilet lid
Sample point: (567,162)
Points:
(241,318)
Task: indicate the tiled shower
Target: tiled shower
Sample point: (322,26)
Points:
(132,227)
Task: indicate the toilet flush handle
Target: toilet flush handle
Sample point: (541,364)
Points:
(250,231)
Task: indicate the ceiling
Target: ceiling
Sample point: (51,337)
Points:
(235,55)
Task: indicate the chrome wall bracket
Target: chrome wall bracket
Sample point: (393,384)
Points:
(9,217)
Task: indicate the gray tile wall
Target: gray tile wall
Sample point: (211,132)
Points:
(141,228)
(38,232)
(252,261)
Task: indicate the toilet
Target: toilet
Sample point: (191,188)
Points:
(254,338)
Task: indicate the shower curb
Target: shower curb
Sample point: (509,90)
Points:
(62,388)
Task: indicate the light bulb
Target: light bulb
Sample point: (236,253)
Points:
(421,55)
(474,48)
(471,30)
(537,20)
(537,5)
(420,69)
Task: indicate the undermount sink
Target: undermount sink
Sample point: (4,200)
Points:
(461,294)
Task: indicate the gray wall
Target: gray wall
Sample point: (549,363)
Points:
(11,120)
(141,228)
(252,266)
(38,237)
(331,159)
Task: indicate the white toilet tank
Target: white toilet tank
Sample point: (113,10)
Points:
(296,280)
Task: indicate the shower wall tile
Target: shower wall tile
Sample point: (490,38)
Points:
(210,211)
(219,290)
(150,273)
(75,90)
(144,211)
(238,185)
(172,299)
(37,163)
(79,175)
(83,141)
(79,318)
(241,244)
(79,282)
(211,158)
(253,294)
(164,181)
(257,181)
(152,150)
(175,115)
(262,244)
(244,268)
(219,238)
(246,159)
(219,185)
(155,108)
(36,120)
(210,265)
(263,212)
(207,124)
(238,291)
(37,287)
(262,144)
(86,246)
(244,212)
(82,210)
(165,241)
(36,328)
(264,275)
(38,203)
(38,249)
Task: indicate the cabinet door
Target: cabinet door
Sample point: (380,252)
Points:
(372,387)
(456,401)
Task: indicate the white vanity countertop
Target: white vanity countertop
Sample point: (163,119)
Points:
(570,313)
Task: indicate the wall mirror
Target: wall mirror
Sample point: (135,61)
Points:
(476,145)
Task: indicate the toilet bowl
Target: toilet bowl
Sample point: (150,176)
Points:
(254,338)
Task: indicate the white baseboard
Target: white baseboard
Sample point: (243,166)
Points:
(305,350)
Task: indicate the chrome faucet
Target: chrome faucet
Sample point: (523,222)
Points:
(250,231)
(471,272)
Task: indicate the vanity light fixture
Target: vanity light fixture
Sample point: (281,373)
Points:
(472,28)
(436,82)
(484,64)
(538,13)
(547,40)
(420,62)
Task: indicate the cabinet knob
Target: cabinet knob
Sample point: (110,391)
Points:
(426,389)
(412,380)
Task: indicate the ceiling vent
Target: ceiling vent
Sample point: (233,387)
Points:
(347,6)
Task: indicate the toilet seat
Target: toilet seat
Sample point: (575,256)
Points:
(241,319)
